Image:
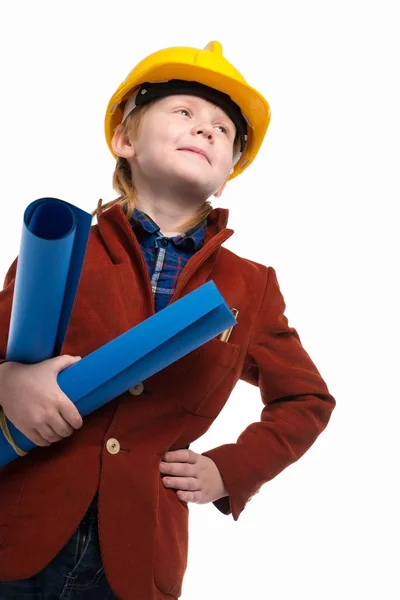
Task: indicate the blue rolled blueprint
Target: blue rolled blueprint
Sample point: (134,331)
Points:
(127,360)
(52,250)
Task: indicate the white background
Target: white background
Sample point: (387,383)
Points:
(317,204)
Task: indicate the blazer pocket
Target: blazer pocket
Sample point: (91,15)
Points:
(211,378)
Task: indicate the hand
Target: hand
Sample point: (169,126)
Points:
(33,401)
(195,477)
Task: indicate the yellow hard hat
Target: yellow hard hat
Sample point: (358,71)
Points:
(207,67)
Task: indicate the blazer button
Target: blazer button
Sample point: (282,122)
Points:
(113,446)
(137,389)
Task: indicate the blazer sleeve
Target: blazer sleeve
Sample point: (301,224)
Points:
(297,405)
(6,298)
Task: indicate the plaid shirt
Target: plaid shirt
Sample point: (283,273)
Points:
(165,257)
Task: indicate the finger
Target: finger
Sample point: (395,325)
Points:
(37,439)
(70,413)
(188,496)
(178,469)
(60,426)
(59,363)
(182,483)
(48,433)
(184,455)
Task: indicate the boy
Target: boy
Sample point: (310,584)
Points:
(181,125)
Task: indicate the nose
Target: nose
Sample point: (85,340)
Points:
(204,129)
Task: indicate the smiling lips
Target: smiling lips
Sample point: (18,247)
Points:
(194,150)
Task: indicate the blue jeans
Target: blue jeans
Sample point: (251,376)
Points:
(76,573)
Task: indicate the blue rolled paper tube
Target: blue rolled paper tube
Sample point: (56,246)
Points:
(137,354)
(146,349)
(52,251)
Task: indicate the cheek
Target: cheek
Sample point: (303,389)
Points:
(151,147)
(225,159)
(152,135)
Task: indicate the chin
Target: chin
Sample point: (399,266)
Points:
(194,180)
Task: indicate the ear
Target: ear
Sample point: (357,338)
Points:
(121,144)
(218,194)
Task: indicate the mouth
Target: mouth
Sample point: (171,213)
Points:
(197,151)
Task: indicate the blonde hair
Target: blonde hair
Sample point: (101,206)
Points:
(122,178)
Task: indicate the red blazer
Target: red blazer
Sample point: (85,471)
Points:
(144,526)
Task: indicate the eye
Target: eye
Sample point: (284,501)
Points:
(184,111)
(222,128)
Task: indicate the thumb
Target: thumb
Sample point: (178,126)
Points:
(59,363)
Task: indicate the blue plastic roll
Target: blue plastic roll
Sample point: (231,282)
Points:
(52,250)
(46,283)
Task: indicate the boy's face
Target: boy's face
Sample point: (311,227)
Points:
(184,141)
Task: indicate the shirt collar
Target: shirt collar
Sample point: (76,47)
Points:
(193,238)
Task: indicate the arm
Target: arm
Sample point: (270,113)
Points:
(297,406)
